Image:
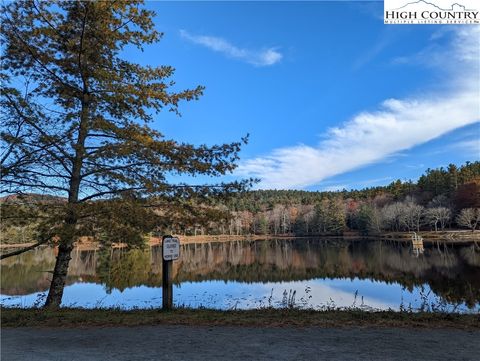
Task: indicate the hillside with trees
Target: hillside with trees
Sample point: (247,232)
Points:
(441,199)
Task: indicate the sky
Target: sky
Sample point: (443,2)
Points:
(331,97)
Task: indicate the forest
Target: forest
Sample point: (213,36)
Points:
(441,198)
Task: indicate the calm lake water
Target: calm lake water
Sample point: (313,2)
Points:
(252,274)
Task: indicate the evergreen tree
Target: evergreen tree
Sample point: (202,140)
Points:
(78,124)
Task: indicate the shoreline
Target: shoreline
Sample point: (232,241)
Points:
(457,237)
(77,317)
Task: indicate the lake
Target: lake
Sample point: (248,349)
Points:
(314,273)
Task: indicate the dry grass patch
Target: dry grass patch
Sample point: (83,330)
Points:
(77,317)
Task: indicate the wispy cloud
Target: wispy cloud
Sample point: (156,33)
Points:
(341,185)
(335,188)
(263,57)
(471,146)
(397,125)
(384,40)
(415,166)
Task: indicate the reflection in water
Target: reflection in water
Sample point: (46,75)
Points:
(243,274)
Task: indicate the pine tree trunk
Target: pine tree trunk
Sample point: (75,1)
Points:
(54,298)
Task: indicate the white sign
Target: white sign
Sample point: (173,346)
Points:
(431,12)
(171,249)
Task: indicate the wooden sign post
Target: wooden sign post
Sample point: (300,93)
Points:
(170,252)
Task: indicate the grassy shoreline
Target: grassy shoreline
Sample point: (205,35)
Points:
(77,317)
(457,237)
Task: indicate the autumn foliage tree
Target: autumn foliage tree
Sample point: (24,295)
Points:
(78,124)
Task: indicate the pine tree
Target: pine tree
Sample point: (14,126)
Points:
(78,124)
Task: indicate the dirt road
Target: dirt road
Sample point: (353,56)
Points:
(237,343)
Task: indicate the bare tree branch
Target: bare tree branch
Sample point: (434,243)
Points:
(23,250)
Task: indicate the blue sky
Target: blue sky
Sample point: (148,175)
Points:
(331,96)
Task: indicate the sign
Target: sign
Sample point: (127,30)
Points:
(431,12)
(171,248)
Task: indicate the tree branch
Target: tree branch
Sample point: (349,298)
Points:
(35,58)
(41,131)
(117,191)
(23,250)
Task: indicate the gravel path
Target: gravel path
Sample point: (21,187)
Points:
(237,343)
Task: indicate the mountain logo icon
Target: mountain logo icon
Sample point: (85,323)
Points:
(453,7)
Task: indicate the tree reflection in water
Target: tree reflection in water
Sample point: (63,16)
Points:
(451,273)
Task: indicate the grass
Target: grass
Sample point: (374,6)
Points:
(78,317)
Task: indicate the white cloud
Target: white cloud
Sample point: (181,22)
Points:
(264,57)
(397,125)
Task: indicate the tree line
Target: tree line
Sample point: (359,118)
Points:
(441,199)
